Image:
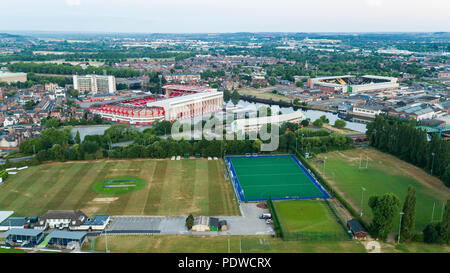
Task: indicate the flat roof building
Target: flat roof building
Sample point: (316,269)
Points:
(58,238)
(95,84)
(24,237)
(10,77)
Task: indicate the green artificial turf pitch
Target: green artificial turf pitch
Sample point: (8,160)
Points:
(273,177)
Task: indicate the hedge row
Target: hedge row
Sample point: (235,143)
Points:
(276,222)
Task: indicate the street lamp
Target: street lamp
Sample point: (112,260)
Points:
(324,161)
(399,225)
(432,162)
(362,198)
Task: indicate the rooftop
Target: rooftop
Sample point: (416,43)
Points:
(23,232)
(67,235)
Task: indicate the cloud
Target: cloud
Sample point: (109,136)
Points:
(374,3)
(73,3)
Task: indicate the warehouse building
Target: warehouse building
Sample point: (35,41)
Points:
(10,77)
(24,237)
(58,238)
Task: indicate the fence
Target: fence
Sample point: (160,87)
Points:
(338,218)
(276,221)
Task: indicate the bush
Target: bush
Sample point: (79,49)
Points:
(340,123)
(431,234)
(189,221)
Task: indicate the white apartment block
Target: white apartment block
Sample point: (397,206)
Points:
(95,84)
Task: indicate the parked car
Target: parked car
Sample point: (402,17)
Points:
(265,216)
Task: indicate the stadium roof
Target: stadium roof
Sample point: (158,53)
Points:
(191,88)
(8,74)
(23,232)
(58,234)
(5,214)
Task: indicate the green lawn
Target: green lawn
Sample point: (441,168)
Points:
(384,174)
(11,250)
(219,244)
(306,216)
(171,188)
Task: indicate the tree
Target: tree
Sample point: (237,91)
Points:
(190,221)
(408,220)
(445,224)
(430,234)
(235,97)
(339,123)
(318,122)
(305,122)
(324,119)
(77,138)
(384,208)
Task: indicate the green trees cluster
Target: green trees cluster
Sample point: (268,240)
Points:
(384,208)
(68,69)
(440,232)
(401,138)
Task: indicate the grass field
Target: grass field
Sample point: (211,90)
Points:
(219,244)
(276,177)
(307,216)
(385,173)
(172,188)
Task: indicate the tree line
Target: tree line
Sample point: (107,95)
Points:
(68,69)
(402,139)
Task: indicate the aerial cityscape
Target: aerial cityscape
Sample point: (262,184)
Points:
(141,137)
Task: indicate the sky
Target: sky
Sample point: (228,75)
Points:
(214,16)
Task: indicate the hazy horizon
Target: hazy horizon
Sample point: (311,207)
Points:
(203,16)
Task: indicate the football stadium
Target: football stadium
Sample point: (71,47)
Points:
(353,84)
(275,177)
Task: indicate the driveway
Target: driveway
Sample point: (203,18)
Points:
(247,224)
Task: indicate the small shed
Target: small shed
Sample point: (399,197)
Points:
(60,238)
(201,223)
(358,231)
(223,226)
(214,224)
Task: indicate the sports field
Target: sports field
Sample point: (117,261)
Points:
(308,218)
(384,173)
(169,188)
(272,177)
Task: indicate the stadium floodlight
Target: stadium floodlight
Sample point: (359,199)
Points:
(399,225)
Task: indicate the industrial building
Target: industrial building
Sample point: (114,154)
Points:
(10,77)
(353,84)
(95,84)
(177,103)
